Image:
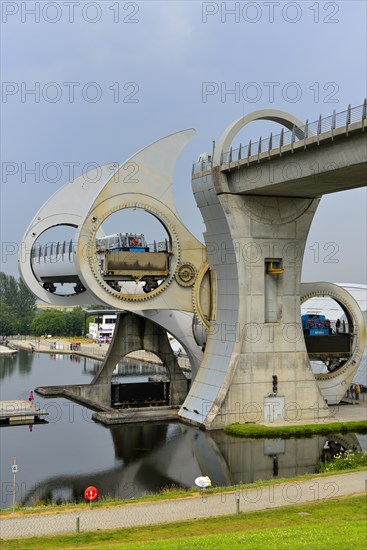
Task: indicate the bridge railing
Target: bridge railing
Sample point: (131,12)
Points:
(289,137)
(53,252)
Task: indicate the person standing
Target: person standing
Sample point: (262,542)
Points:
(30,398)
(358,391)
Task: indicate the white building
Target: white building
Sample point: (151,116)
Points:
(104,324)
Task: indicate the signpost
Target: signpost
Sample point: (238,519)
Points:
(91,493)
(203,482)
(14,469)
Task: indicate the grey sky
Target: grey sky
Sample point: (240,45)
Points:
(149,62)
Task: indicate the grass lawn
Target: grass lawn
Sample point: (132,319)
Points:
(257,430)
(332,524)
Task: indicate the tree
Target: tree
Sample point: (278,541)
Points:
(20,300)
(8,289)
(74,322)
(8,321)
(49,322)
(25,307)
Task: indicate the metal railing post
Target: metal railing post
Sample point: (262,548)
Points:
(305,134)
(259,149)
(293,137)
(319,126)
(237,504)
(364,114)
(281,141)
(347,122)
(270,144)
(333,124)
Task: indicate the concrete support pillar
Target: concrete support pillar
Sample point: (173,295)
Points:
(134,333)
(271,376)
(255,247)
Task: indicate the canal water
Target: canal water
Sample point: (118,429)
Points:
(57,460)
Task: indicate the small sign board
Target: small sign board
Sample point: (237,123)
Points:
(203,482)
(14,468)
(91,493)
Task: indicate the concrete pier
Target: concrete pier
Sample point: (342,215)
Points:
(7,351)
(19,412)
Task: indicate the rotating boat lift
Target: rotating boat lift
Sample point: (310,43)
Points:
(253,365)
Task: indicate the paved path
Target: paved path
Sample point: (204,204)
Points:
(131,515)
(87,349)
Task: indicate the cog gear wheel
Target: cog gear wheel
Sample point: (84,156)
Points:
(94,268)
(195,296)
(186,274)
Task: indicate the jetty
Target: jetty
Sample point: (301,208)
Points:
(19,412)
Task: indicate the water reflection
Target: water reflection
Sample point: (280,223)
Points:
(152,457)
(59,460)
(26,364)
(8,366)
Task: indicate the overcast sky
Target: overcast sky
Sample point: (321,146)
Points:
(109,78)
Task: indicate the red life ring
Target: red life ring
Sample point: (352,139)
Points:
(327,323)
(311,323)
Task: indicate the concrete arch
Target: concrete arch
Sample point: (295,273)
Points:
(133,333)
(333,385)
(273,115)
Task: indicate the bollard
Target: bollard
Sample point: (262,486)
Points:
(237,504)
(78,523)
(365,484)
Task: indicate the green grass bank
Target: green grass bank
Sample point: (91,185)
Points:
(259,431)
(334,524)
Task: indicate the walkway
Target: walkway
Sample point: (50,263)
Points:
(91,350)
(191,508)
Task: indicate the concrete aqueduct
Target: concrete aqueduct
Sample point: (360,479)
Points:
(242,288)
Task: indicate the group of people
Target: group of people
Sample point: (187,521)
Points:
(75,346)
(354,391)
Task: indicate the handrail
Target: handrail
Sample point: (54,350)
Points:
(330,123)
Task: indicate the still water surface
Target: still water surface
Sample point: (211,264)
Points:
(58,460)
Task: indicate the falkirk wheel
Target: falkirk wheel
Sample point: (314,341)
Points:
(233,303)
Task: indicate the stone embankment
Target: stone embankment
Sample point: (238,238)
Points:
(86,349)
(4,350)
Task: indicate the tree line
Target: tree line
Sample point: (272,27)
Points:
(18,306)
(19,314)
